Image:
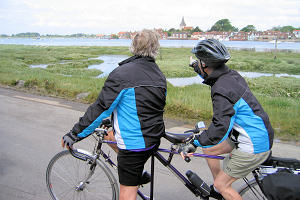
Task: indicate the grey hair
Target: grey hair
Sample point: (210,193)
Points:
(145,43)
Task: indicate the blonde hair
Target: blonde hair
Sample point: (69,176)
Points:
(145,43)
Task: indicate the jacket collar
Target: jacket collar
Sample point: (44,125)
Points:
(132,58)
(213,77)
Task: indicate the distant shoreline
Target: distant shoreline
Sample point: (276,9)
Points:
(64,37)
(265,46)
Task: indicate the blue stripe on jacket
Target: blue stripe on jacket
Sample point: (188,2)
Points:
(96,123)
(251,123)
(254,127)
(129,123)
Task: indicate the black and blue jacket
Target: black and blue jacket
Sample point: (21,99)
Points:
(236,114)
(135,93)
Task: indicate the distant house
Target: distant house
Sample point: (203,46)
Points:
(239,36)
(102,36)
(162,35)
(269,35)
(218,35)
(197,36)
(132,35)
(253,35)
(179,35)
(187,28)
(296,33)
(124,35)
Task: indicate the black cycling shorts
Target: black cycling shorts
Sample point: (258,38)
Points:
(131,165)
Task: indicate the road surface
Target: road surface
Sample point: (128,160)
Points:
(31,128)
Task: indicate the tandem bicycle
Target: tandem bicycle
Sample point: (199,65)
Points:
(80,174)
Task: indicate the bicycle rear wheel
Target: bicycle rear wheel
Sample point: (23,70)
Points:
(251,191)
(70,178)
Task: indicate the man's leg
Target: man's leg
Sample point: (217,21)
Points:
(214,164)
(130,170)
(128,192)
(223,184)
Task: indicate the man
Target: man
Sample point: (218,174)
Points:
(135,94)
(239,125)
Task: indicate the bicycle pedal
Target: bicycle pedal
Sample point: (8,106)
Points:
(146,178)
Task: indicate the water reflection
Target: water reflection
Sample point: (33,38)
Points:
(44,66)
(180,82)
(255,45)
(185,81)
(109,64)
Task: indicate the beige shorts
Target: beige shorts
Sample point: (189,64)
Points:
(239,164)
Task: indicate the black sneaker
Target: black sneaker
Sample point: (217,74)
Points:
(215,194)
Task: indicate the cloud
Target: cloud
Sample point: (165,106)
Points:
(99,16)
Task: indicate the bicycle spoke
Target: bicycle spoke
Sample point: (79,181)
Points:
(66,172)
(92,194)
(251,191)
(65,193)
(69,178)
(62,178)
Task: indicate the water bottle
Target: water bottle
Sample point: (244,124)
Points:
(199,183)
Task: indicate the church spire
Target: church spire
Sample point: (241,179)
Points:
(182,24)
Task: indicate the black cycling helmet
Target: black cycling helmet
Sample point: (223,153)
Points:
(212,52)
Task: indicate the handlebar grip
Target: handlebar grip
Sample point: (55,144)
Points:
(187,159)
(78,155)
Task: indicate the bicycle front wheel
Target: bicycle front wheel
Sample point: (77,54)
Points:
(251,191)
(70,178)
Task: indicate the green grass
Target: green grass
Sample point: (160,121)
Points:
(67,75)
(280,98)
(251,61)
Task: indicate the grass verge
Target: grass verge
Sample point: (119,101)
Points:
(67,76)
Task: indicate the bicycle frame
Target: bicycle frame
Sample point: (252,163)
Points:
(166,163)
(270,166)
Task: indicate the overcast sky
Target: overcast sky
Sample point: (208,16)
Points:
(112,16)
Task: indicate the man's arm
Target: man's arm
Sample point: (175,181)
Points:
(221,125)
(99,110)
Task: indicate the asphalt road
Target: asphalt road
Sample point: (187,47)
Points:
(31,127)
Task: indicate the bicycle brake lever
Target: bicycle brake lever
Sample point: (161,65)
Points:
(196,130)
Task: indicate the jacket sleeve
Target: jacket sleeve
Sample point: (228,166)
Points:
(221,125)
(101,108)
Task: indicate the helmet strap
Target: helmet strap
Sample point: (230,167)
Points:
(203,74)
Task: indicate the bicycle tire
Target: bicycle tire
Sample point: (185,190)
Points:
(65,175)
(251,191)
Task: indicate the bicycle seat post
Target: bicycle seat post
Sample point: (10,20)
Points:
(152,177)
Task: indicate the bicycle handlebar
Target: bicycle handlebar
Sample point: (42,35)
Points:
(77,154)
(107,124)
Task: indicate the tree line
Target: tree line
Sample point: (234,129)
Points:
(223,25)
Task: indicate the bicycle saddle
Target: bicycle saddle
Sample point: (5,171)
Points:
(176,138)
(282,162)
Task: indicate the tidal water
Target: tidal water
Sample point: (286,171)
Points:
(111,62)
(180,82)
(255,45)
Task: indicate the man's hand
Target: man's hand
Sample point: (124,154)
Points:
(106,123)
(195,65)
(69,139)
(187,150)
